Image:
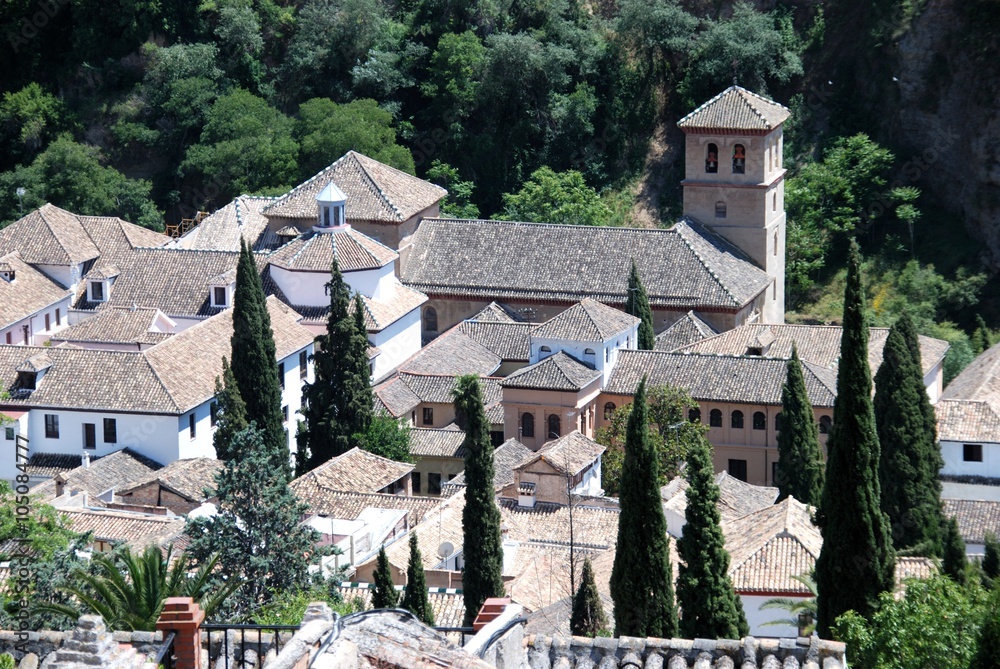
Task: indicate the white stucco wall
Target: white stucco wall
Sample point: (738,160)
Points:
(67,276)
(397,343)
(309,288)
(605,353)
(953,452)
(37,333)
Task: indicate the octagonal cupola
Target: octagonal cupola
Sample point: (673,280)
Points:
(332,204)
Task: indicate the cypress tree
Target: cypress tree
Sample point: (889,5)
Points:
(254,365)
(642,584)
(415,597)
(911,459)
(587,618)
(857,561)
(800,461)
(710,608)
(989,635)
(230,413)
(637,304)
(482,576)
(953,561)
(982,338)
(384,596)
(991,558)
(337,405)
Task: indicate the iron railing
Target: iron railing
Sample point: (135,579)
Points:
(262,645)
(164,656)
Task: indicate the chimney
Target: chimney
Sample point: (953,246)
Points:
(526,495)
(85,460)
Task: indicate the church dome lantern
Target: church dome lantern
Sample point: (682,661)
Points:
(331,205)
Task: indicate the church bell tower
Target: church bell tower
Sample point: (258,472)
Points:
(734,182)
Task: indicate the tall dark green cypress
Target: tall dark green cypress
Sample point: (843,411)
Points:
(384,596)
(415,597)
(482,576)
(800,460)
(254,365)
(587,617)
(953,561)
(857,561)
(642,584)
(710,607)
(338,403)
(911,458)
(230,413)
(637,304)
(991,557)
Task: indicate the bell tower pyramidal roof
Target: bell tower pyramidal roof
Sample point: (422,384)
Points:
(738,109)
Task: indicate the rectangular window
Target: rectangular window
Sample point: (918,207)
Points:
(191,425)
(415,477)
(97,291)
(213,413)
(220,296)
(496,438)
(738,469)
(48,323)
(89,436)
(428,416)
(8,433)
(284,414)
(58,317)
(972,452)
(281,374)
(303,365)
(9,338)
(51,426)
(110,431)
(433,484)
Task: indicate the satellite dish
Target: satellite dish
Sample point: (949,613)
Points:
(445,550)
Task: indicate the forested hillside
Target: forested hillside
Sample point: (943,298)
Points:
(558,110)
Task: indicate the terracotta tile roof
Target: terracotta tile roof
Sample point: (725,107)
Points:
(495,312)
(554,618)
(688,329)
(914,567)
(556,372)
(587,320)
(506,458)
(119,325)
(188,478)
(441,524)
(686,267)
(509,341)
(403,392)
(967,420)
(107,271)
(736,108)
(49,236)
(346,505)
(115,470)
(818,344)
(396,396)
(30,292)
(447,604)
(736,498)
(50,464)
(37,363)
(426,442)
(315,251)
(980,380)
(593,527)
(569,454)
(354,471)
(222,230)
(723,378)
(453,352)
(136,530)
(375,192)
(379,314)
(975,518)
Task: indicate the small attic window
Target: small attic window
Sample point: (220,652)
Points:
(720,209)
(219,296)
(97,291)
(8,275)
(26,380)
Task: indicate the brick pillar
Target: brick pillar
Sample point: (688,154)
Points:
(184,617)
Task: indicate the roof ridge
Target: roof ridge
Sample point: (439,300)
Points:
(557,226)
(381,193)
(328,168)
(711,272)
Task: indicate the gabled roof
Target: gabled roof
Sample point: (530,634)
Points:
(49,236)
(188,478)
(736,108)
(687,266)
(124,325)
(496,313)
(401,393)
(353,471)
(569,454)
(720,378)
(138,530)
(47,465)
(375,192)
(506,458)
(509,341)
(437,443)
(736,498)
(975,518)
(587,320)
(115,470)
(686,330)
(36,363)
(967,420)
(379,314)
(241,218)
(315,251)
(556,372)
(30,292)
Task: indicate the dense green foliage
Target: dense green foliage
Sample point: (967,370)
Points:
(991,556)
(415,598)
(936,624)
(550,197)
(857,561)
(338,403)
(587,617)
(795,606)
(907,434)
(384,595)
(386,436)
(710,607)
(637,304)
(230,412)
(256,532)
(254,364)
(642,584)
(989,634)
(669,431)
(482,575)
(953,560)
(800,459)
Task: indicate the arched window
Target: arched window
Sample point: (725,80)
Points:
(527,425)
(694,415)
(430,319)
(736,420)
(609,409)
(712,159)
(589,355)
(759,420)
(739,159)
(778,420)
(544,352)
(715,418)
(774,202)
(720,209)
(825,422)
(555,428)
(775,243)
